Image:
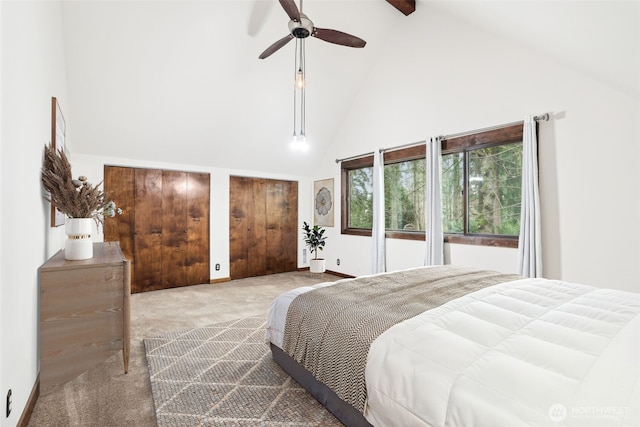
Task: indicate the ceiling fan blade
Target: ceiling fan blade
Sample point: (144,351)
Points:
(290,7)
(338,37)
(277,45)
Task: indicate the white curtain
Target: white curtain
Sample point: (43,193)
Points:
(378,248)
(433,201)
(529,244)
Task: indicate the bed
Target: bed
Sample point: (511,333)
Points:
(451,346)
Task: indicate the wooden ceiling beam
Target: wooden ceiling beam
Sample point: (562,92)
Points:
(404,6)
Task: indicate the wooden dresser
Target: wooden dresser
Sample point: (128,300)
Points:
(84,313)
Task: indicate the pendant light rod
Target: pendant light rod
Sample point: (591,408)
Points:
(303,57)
(295,95)
(299,107)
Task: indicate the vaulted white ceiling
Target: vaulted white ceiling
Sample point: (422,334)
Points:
(181,82)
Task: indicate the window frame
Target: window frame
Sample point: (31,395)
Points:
(464,144)
(346,167)
(390,157)
(489,138)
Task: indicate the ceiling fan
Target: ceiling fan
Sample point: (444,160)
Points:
(301,27)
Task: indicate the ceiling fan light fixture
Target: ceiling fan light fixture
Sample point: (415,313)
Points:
(300,80)
(299,143)
(300,28)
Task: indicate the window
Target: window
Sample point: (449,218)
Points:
(404,194)
(481,182)
(361,197)
(481,179)
(404,176)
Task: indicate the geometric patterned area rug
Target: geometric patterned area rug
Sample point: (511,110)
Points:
(223,375)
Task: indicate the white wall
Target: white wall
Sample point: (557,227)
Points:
(449,77)
(32,72)
(93,168)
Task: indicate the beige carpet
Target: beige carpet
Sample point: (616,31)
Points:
(223,375)
(105,396)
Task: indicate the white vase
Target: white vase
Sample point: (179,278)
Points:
(317,266)
(78,244)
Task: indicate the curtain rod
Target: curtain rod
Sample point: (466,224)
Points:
(354,157)
(541,117)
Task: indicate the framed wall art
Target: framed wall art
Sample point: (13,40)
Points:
(58,131)
(323,202)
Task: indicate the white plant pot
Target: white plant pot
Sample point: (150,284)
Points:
(317,266)
(79,244)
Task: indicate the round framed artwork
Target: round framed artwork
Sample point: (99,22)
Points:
(323,203)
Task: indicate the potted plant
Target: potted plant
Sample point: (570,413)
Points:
(314,238)
(81,202)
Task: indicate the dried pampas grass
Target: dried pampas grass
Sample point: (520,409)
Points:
(74,198)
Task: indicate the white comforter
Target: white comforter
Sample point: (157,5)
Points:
(530,352)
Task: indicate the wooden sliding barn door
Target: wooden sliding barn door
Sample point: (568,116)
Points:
(164,228)
(263,221)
